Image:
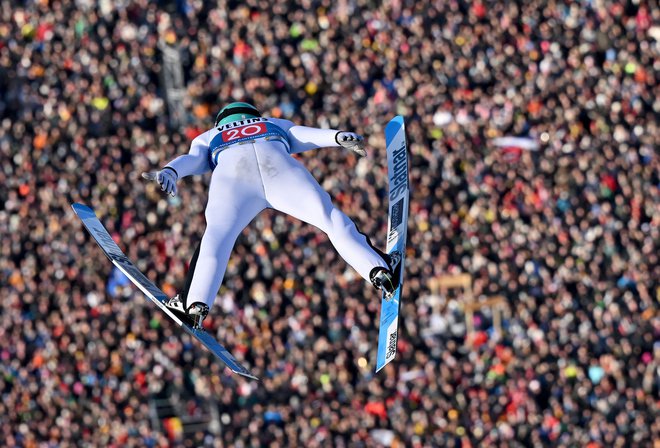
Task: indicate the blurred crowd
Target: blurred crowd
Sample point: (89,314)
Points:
(568,234)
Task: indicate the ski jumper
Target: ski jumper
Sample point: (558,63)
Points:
(252,169)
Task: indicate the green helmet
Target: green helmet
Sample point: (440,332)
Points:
(235,112)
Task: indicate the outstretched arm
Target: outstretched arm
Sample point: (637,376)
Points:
(195,162)
(303,138)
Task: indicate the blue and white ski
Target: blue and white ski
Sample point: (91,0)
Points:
(119,259)
(397,226)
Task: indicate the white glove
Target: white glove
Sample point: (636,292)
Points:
(166,178)
(352,141)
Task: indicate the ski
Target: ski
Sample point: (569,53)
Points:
(397,226)
(124,264)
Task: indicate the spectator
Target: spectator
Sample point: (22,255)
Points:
(568,234)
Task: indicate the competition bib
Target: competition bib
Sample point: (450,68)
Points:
(240,132)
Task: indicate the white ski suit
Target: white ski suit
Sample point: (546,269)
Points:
(252,170)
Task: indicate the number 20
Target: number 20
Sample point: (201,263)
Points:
(245,131)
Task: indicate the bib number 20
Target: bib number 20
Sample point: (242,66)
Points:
(250,130)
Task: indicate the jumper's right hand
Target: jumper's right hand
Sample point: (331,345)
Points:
(166,178)
(352,141)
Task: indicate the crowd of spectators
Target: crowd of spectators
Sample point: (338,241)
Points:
(568,234)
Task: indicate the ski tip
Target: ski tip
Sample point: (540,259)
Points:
(82,210)
(396,121)
(77,207)
(393,129)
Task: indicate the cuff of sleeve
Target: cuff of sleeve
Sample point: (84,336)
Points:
(173,170)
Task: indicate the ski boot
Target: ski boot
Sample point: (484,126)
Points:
(387,280)
(194,314)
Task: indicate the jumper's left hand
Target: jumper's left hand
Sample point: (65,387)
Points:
(352,141)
